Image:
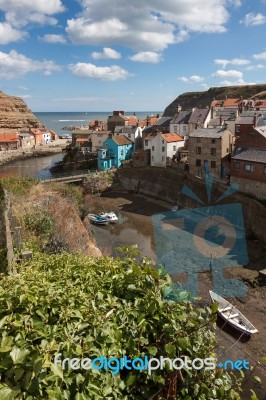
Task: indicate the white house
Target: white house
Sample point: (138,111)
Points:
(130,131)
(185,122)
(162,146)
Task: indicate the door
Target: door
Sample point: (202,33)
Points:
(206,166)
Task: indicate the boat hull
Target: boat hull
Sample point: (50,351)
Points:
(233,317)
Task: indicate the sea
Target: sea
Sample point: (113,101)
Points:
(58,120)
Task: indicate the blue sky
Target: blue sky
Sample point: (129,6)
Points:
(101,55)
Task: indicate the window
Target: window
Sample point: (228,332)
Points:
(152,158)
(198,163)
(162,158)
(198,150)
(146,142)
(184,128)
(198,140)
(175,128)
(213,164)
(152,148)
(129,135)
(163,149)
(249,167)
(174,148)
(162,141)
(213,140)
(236,165)
(237,128)
(213,151)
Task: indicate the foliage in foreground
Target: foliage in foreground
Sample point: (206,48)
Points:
(89,307)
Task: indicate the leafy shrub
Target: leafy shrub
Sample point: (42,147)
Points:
(55,246)
(89,307)
(39,223)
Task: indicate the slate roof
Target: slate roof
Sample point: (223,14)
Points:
(255,155)
(125,129)
(163,121)
(213,133)
(181,118)
(244,120)
(198,115)
(261,130)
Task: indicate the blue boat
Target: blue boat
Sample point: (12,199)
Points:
(98,220)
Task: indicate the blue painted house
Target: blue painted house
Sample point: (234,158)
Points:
(115,150)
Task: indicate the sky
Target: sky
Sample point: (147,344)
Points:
(132,55)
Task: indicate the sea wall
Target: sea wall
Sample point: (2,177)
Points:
(166,184)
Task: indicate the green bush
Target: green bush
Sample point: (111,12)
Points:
(38,223)
(82,306)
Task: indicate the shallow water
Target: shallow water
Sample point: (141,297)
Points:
(37,167)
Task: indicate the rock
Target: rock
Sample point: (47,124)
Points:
(15,115)
(203,99)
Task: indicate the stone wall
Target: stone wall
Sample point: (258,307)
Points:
(166,184)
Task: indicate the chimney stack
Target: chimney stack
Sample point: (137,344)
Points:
(255,119)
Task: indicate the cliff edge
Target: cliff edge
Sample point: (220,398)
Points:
(14,114)
(189,100)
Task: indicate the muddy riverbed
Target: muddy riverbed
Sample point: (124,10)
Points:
(135,227)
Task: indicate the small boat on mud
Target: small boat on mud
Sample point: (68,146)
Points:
(98,220)
(110,216)
(232,315)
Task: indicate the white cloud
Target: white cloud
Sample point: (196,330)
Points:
(9,34)
(191,79)
(147,56)
(238,82)
(260,56)
(234,61)
(231,73)
(106,53)
(25,96)
(87,70)
(252,19)
(20,13)
(148,26)
(254,67)
(53,38)
(13,65)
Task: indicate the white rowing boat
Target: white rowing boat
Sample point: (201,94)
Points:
(232,315)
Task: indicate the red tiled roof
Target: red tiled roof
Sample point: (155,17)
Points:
(36,131)
(9,137)
(151,121)
(225,103)
(260,104)
(132,120)
(171,137)
(231,103)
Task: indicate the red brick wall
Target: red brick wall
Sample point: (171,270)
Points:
(250,139)
(256,175)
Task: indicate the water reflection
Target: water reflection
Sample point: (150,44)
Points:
(37,167)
